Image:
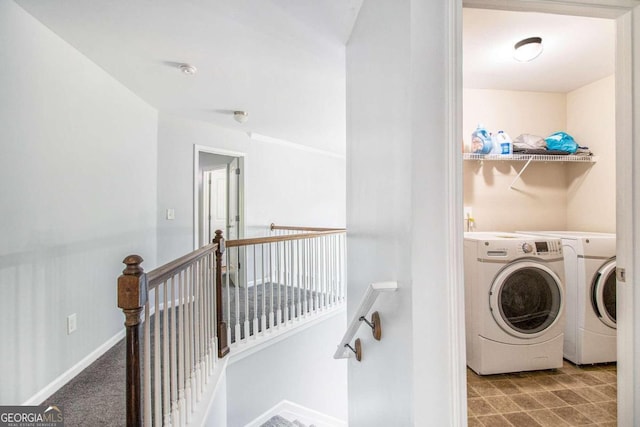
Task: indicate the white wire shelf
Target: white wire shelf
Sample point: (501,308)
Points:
(531,157)
(528,158)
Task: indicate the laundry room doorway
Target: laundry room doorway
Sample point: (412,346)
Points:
(624,14)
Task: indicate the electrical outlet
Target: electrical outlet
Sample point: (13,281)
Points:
(171,213)
(72,323)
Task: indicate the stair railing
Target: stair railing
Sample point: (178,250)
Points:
(178,308)
(271,283)
(181,317)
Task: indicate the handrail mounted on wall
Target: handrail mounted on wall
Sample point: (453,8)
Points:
(369,298)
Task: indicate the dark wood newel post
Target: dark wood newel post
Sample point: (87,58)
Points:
(223,343)
(132,296)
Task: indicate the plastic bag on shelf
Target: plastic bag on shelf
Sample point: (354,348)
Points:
(561,141)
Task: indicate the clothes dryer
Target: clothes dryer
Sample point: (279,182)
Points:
(590,280)
(514,302)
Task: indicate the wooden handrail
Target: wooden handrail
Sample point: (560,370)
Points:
(283,238)
(160,274)
(297,228)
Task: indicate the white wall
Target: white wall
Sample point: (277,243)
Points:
(591,198)
(300,369)
(539,198)
(397,211)
(285,184)
(515,112)
(217,416)
(78,169)
(547,196)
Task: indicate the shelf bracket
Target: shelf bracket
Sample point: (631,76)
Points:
(520,173)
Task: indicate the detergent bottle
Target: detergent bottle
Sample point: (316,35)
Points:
(481,141)
(503,141)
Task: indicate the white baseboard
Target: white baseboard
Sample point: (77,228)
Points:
(67,376)
(293,411)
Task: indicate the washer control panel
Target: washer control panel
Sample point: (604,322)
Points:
(551,248)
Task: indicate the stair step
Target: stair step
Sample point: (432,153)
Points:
(278,421)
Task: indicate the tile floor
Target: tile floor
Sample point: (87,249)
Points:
(569,396)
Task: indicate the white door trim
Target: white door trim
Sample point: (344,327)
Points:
(197,149)
(627,15)
(458,367)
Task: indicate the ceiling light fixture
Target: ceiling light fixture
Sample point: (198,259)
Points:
(240,116)
(188,69)
(528,49)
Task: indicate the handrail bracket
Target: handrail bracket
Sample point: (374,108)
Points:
(357,350)
(376,326)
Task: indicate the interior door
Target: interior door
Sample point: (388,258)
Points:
(235,255)
(233,209)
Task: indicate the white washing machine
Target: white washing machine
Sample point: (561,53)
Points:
(590,282)
(514,302)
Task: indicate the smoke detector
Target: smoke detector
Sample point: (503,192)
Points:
(188,69)
(240,116)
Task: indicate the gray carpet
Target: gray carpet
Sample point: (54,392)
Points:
(96,397)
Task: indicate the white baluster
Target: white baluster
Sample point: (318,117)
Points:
(329,273)
(334,270)
(280,280)
(306,275)
(206,270)
(174,354)
(316,273)
(146,366)
(214,313)
(181,334)
(343,266)
(255,294)
(193,389)
(204,345)
(230,321)
(271,283)
(157,356)
(292,289)
(323,274)
(166,398)
(246,296)
(237,299)
(198,328)
(263,317)
(285,259)
(299,279)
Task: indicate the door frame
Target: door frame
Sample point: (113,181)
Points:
(627,16)
(242,163)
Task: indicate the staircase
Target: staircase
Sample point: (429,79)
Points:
(279,421)
(183,318)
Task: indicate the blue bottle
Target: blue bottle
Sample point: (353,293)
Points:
(481,141)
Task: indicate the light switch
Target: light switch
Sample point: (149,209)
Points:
(171,213)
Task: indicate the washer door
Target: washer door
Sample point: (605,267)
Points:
(603,293)
(526,299)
